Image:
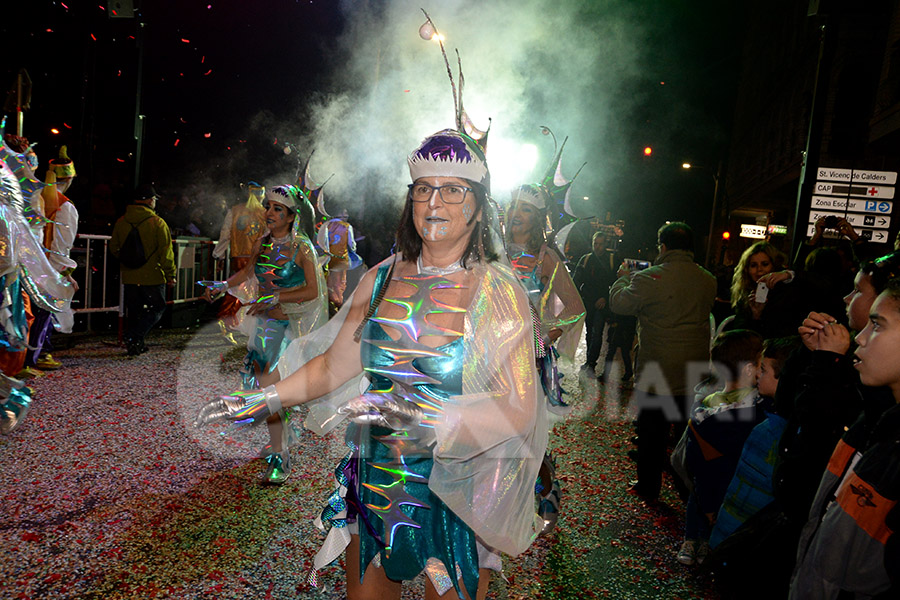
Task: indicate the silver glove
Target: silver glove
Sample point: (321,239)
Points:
(245,408)
(382,410)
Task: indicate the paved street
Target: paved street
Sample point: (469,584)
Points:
(109,493)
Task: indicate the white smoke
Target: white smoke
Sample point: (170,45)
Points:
(526,64)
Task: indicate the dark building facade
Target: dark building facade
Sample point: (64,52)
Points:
(819,80)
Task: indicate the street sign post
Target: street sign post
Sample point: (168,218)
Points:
(862,197)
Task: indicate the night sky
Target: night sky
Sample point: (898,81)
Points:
(227,83)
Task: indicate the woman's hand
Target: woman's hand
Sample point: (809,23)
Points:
(833,338)
(820,230)
(756,308)
(263,304)
(213,289)
(772,279)
(384,410)
(243,408)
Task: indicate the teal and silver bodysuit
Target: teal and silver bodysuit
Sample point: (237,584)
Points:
(402,525)
(276,269)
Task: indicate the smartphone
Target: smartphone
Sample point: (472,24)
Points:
(762,292)
(634,264)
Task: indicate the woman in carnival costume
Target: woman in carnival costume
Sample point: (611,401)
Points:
(557,306)
(283,291)
(448,436)
(23,266)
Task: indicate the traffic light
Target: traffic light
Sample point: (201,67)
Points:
(648,151)
(726,235)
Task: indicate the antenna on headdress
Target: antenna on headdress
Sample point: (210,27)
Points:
(310,190)
(429,31)
(559,212)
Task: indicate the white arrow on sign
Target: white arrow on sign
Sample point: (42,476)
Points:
(861,176)
(872,192)
(877,236)
(856,219)
(883,207)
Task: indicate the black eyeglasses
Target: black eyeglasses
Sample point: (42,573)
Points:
(451,193)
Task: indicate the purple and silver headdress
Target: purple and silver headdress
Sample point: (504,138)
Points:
(449,153)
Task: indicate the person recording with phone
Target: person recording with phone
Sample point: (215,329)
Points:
(760,296)
(672,300)
(854,248)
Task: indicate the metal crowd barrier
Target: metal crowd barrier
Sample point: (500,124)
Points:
(101,291)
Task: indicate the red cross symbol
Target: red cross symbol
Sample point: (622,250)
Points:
(872,191)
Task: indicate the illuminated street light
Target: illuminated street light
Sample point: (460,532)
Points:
(686,165)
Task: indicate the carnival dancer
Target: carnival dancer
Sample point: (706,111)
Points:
(283,289)
(444,334)
(559,310)
(24,272)
(59,237)
(244,223)
(335,238)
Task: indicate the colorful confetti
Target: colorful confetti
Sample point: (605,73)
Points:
(110,493)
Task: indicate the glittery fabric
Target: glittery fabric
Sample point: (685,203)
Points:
(20,249)
(489,439)
(276,270)
(276,267)
(553,294)
(405,523)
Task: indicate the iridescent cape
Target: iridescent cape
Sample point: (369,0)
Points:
(22,255)
(491,439)
(555,298)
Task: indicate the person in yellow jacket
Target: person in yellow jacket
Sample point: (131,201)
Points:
(145,294)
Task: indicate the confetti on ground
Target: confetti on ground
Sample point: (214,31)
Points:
(109,493)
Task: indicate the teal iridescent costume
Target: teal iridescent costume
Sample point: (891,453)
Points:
(446,495)
(276,270)
(389,516)
(23,266)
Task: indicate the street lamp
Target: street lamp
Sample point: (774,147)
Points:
(712,217)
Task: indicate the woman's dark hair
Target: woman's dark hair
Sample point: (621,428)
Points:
(882,270)
(480,246)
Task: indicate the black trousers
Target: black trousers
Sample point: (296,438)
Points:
(144,307)
(657,415)
(594,334)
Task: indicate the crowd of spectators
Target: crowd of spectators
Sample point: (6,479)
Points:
(787,453)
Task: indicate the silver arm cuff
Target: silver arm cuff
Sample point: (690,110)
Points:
(273,402)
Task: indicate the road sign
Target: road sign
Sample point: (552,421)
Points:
(856,219)
(883,207)
(873,192)
(862,176)
(878,236)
